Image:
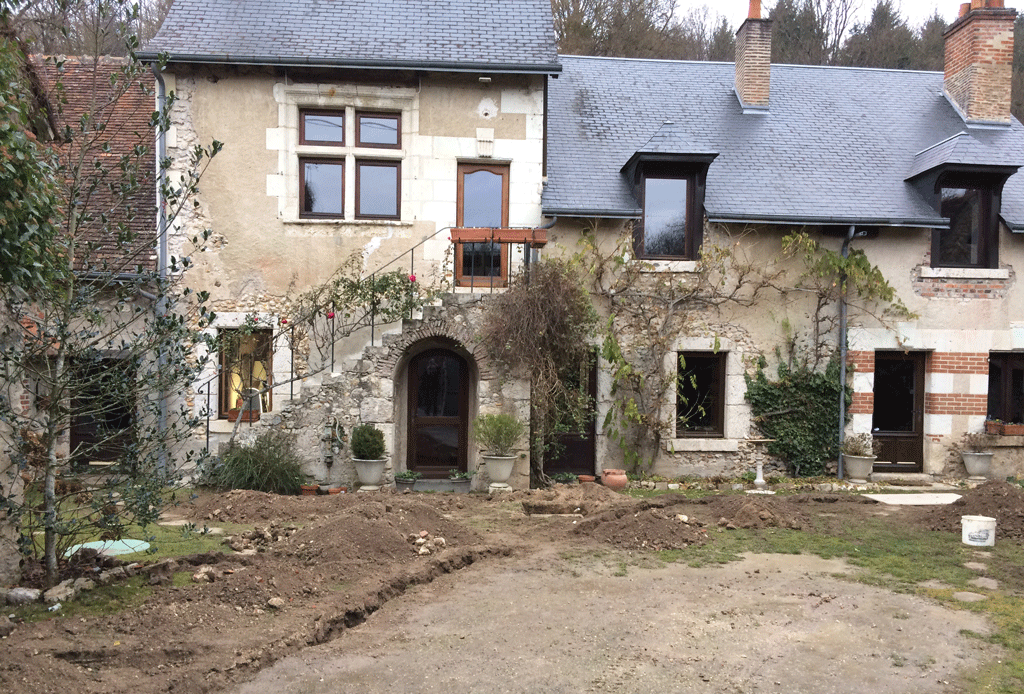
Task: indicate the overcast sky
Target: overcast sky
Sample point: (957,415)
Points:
(914,11)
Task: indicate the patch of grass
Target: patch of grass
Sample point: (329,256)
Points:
(101,601)
(169,541)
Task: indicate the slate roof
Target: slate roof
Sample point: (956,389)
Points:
(835,147)
(496,35)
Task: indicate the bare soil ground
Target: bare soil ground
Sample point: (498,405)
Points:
(517,601)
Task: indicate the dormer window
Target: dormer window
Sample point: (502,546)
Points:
(670,191)
(971,203)
(667,228)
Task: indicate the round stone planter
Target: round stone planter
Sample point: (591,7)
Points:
(499,469)
(978,464)
(461,486)
(858,467)
(404,484)
(370,473)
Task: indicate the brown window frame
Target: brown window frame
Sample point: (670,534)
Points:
(397,117)
(690,252)
(391,163)
(225,368)
(716,412)
(303,212)
(323,112)
(501,280)
(988,234)
(1002,404)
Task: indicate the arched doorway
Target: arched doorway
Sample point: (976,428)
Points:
(438,412)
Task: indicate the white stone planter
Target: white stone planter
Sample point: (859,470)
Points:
(978,464)
(370,473)
(858,467)
(499,469)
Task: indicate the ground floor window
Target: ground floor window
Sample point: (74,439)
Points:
(700,394)
(1006,386)
(245,369)
(103,411)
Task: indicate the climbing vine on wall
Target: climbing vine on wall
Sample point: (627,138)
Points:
(799,411)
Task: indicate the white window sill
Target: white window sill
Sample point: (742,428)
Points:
(350,222)
(702,445)
(672,265)
(965,273)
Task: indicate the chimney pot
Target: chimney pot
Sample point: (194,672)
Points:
(755,9)
(965,7)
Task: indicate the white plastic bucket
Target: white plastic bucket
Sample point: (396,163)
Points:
(979,531)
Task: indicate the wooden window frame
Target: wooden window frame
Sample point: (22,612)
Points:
(501,280)
(989,188)
(390,163)
(717,412)
(303,112)
(303,212)
(691,239)
(1002,407)
(222,383)
(397,117)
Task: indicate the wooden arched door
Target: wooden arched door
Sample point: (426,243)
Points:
(438,413)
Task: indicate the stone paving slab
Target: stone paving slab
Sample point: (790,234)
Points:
(926,499)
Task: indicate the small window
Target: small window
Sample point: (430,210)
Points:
(322,128)
(322,182)
(482,203)
(969,201)
(245,370)
(666,213)
(379,130)
(1006,386)
(700,395)
(378,189)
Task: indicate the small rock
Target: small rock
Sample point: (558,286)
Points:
(276,603)
(420,541)
(61,592)
(81,584)
(6,627)
(23,596)
(681,517)
(423,549)
(439,542)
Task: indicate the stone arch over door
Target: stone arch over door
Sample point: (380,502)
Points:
(435,400)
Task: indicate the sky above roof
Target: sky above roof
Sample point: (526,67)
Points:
(914,11)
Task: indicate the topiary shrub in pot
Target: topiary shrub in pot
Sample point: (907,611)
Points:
(368,456)
(497,435)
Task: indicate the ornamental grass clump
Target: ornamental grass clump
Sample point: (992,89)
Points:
(863,445)
(498,434)
(367,443)
(270,465)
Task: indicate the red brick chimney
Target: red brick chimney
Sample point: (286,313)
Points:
(753,59)
(979,60)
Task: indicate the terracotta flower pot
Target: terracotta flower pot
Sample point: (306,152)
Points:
(614,479)
(309,489)
(585,478)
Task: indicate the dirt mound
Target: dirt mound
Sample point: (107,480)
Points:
(587,498)
(245,506)
(673,522)
(1000,500)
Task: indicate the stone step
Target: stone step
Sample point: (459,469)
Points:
(908,479)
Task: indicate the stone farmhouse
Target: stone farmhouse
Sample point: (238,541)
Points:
(450,141)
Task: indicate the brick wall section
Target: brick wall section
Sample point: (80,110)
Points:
(978,63)
(944,288)
(863,403)
(955,403)
(958,363)
(861,361)
(753,61)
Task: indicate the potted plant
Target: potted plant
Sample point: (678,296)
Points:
(859,452)
(975,449)
(406,479)
(994,427)
(498,434)
(460,480)
(368,456)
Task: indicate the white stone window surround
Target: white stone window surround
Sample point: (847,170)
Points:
(965,273)
(281,360)
(350,98)
(737,413)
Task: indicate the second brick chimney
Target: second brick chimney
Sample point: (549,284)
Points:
(753,59)
(979,60)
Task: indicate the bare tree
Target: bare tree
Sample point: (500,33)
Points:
(834,17)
